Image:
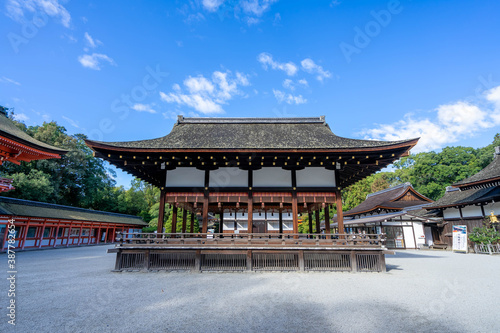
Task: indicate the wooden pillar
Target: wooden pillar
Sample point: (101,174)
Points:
(161,213)
(310,218)
(221,221)
(250,213)
(43,230)
(25,234)
(174,219)
(204,228)
(184,220)
(327,219)
(295,213)
(318,222)
(192,223)
(280,215)
(6,233)
(340,214)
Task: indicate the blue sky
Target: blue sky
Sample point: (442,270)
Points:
(389,70)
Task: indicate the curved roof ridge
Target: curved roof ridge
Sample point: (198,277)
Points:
(393,188)
(245,120)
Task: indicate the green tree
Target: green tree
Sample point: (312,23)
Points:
(32,186)
(431,172)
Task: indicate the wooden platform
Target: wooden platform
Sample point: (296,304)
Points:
(250,252)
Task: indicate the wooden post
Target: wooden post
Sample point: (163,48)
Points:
(25,234)
(340,214)
(280,215)
(250,213)
(221,221)
(310,217)
(295,212)
(43,230)
(161,213)
(192,223)
(184,221)
(327,219)
(204,228)
(174,219)
(318,223)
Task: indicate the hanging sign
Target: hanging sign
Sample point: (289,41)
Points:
(460,238)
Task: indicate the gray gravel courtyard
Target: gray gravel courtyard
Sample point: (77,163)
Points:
(73,290)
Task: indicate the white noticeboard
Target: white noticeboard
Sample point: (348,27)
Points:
(460,238)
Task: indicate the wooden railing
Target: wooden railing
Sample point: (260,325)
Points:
(252,239)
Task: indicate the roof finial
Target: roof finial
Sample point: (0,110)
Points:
(180,118)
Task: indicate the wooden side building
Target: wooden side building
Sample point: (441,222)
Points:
(42,225)
(469,201)
(396,212)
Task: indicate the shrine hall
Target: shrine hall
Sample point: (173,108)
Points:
(279,168)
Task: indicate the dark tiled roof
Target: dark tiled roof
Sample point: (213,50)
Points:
(463,197)
(18,207)
(490,172)
(386,199)
(251,133)
(9,130)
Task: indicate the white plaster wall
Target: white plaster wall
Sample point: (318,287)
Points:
(185,177)
(472,211)
(451,213)
(315,177)
(272,177)
(495,207)
(408,235)
(428,236)
(228,177)
(418,228)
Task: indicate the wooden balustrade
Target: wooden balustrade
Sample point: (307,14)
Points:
(250,239)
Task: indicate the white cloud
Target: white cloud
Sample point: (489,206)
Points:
(288,98)
(71,122)
(256,7)
(266,60)
(20,117)
(452,122)
(310,66)
(7,80)
(207,95)
(303,82)
(199,85)
(212,5)
(91,42)
(93,61)
(289,84)
(17,9)
(252,21)
(143,108)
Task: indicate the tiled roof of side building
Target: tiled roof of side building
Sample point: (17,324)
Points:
(19,207)
(455,197)
(252,133)
(9,130)
(489,173)
(388,199)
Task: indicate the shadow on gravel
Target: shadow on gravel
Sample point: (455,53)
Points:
(402,254)
(393,268)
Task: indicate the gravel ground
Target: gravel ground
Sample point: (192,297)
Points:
(73,290)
